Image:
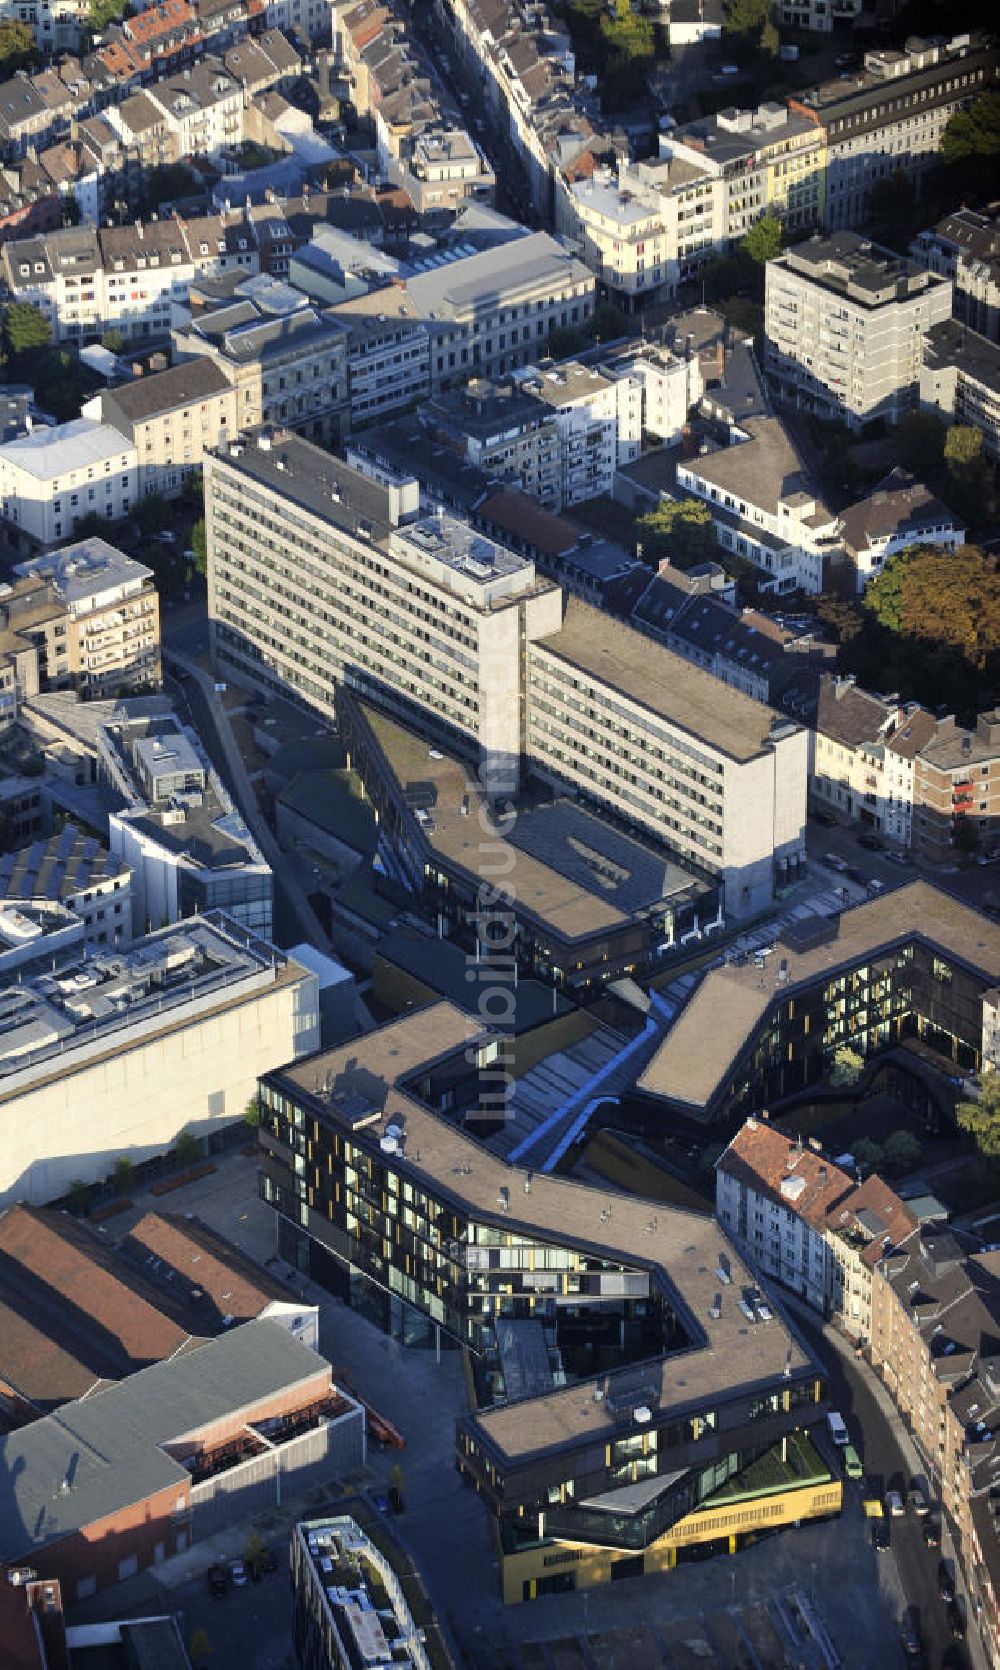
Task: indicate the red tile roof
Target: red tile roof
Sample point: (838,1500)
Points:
(765,1159)
(236,1286)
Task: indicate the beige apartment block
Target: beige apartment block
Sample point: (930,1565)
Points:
(715,775)
(172,418)
(103,637)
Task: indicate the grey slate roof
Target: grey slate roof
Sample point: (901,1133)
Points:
(104,1453)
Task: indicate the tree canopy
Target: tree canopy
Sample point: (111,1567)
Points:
(941,597)
(678,529)
(981,1119)
(973,132)
(25,328)
(17,46)
(763,241)
(102,12)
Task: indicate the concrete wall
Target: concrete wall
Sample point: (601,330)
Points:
(266,1481)
(136,1100)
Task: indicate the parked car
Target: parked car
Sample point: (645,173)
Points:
(902,858)
(956,1620)
(918,1501)
(852,1463)
(833,861)
(894,1504)
(880,1535)
(827,819)
(871,843)
(930,1530)
(237,1574)
(946,1583)
(218,1582)
(912,1646)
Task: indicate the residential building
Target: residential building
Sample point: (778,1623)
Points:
(131,1047)
(671,385)
(105,639)
(598,421)
(956,788)
(646,227)
(73,870)
(155,1462)
(342,1624)
(844,322)
(897,514)
(965,247)
(854,728)
(89,280)
(599,569)
(912,963)
(888,118)
(505,431)
(691,614)
(57,25)
(171,419)
(818,16)
(537,1277)
(594,903)
(202,108)
(803,1221)
(765,506)
(960,382)
(286,361)
(188,848)
(934,1331)
(25,811)
(52,478)
(770,161)
(718,777)
(419,614)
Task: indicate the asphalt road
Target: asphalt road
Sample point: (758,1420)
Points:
(885,1469)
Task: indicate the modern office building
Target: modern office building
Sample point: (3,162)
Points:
(145,1467)
(888,117)
(803,1221)
(844,323)
(319,575)
(960,382)
(717,777)
(912,963)
(187,846)
(104,637)
(637,1401)
(765,505)
(118,1052)
(590,903)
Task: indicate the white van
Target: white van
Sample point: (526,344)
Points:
(838,1431)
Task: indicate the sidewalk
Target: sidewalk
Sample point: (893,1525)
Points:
(915,1462)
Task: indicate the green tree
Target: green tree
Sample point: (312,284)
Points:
(124,1174)
(867,1154)
(678,529)
(25,328)
(103,12)
(974,132)
(963,447)
(763,241)
(165,184)
(188,1150)
(70,209)
(901,1150)
(745,17)
(254,1550)
(770,40)
(709,1157)
(252,1113)
(113,341)
(152,513)
(847,1067)
(199,546)
(17,46)
(944,598)
(981,1118)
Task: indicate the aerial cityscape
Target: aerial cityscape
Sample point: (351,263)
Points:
(499,834)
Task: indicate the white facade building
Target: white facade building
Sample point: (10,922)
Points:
(53,477)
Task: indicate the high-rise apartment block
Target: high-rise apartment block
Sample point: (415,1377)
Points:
(844,324)
(320,575)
